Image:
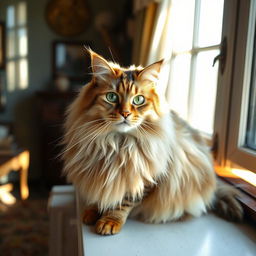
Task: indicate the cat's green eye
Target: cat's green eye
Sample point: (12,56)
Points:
(112,97)
(138,100)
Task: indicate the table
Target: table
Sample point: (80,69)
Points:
(16,160)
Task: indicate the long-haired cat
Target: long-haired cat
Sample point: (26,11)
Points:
(128,154)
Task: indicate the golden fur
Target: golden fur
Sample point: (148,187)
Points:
(141,160)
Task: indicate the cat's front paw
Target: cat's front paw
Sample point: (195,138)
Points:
(90,216)
(108,226)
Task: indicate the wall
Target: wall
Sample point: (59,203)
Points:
(21,107)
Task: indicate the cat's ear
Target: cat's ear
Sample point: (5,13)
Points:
(100,67)
(151,72)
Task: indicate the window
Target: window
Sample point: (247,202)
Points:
(242,129)
(235,118)
(217,101)
(250,139)
(196,35)
(17,47)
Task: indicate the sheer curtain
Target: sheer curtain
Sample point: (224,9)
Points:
(160,45)
(145,17)
(154,35)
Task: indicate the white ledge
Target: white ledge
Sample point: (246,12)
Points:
(204,236)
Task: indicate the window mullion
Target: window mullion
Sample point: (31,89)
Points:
(17,56)
(207,48)
(193,59)
(195,50)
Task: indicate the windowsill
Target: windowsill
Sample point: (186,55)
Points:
(207,235)
(248,201)
(247,195)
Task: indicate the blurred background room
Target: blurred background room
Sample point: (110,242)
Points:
(43,65)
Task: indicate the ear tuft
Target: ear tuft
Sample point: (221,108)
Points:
(100,67)
(151,72)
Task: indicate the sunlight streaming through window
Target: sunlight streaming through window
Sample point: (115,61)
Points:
(204,92)
(11,71)
(245,175)
(178,93)
(182,41)
(210,22)
(196,35)
(22,39)
(23,74)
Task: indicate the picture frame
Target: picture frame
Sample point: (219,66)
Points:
(70,60)
(2,45)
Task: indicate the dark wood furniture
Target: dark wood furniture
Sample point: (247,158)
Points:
(52,107)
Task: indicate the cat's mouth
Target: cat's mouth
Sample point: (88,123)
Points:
(123,126)
(123,122)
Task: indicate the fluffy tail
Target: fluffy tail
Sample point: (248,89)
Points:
(226,204)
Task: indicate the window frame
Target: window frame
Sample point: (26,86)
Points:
(228,105)
(236,152)
(17,57)
(225,79)
(233,86)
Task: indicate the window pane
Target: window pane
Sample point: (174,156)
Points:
(60,55)
(250,140)
(182,24)
(178,91)
(21,14)
(11,78)
(204,92)
(210,22)
(10,16)
(22,38)
(23,74)
(1,46)
(11,44)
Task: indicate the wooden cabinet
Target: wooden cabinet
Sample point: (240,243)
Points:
(52,107)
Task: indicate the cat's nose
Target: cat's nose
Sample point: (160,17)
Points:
(125,114)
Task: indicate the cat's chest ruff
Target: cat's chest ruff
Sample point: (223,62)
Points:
(117,146)
(121,153)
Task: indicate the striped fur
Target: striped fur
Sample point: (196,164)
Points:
(133,159)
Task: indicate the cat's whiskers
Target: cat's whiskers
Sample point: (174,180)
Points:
(95,131)
(90,171)
(98,132)
(84,125)
(75,136)
(84,146)
(146,126)
(138,123)
(72,130)
(146,130)
(89,131)
(141,131)
(88,127)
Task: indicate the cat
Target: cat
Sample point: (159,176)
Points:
(127,153)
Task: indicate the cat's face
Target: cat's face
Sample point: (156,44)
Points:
(124,98)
